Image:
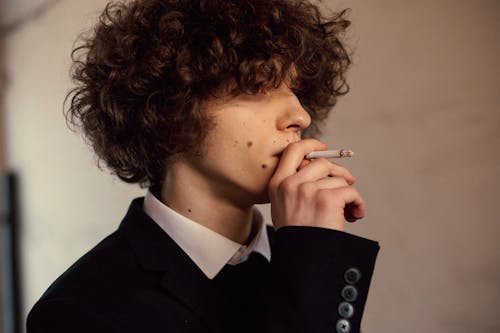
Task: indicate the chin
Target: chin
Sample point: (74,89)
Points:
(262,198)
(257,191)
(262,202)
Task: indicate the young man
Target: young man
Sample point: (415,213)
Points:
(212,106)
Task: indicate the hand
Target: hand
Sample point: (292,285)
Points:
(312,193)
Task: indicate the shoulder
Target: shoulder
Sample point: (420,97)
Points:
(117,282)
(72,303)
(109,266)
(58,315)
(99,269)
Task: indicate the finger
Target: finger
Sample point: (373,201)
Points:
(352,202)
(321,168)
(331,183)
(292,157)
(303,164)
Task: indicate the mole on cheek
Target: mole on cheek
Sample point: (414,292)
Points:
(264,166)
(189,210)
(249,144)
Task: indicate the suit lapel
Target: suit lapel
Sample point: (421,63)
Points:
(181,278)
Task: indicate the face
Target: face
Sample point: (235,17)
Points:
(242,151)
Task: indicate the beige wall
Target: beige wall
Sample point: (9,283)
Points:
(68,204)
(423,116)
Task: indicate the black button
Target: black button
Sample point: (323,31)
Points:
(343,326)
(346,310)
(349,293)
(352,275)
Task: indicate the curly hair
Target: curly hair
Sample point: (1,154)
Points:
(144,71)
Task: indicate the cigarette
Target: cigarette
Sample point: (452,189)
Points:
(339,153)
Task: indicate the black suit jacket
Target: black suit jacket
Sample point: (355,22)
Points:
(138,280)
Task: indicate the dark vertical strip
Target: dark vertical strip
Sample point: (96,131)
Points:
(9,227)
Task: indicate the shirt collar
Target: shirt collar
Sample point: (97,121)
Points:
(209,250)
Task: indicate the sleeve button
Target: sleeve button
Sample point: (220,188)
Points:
(352,275)
(346,310)
(349,293)
(343,326)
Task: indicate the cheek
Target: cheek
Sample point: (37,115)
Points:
(265,168)
(249,151)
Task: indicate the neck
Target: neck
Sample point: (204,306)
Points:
(197,198)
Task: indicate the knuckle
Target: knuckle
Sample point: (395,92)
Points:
(287,186)
(355,193)
(306,190)
(324,198)
(353,190)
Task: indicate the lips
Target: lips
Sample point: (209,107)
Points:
(280,152)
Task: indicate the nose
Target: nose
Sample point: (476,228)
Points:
(294,118)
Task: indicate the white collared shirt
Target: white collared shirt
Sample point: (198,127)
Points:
(209,250)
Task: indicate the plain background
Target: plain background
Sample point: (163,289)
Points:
(423,116)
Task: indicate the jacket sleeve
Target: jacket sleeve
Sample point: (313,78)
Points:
(319,281)
(62,316)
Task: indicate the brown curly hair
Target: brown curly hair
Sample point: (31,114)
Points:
(144,71)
